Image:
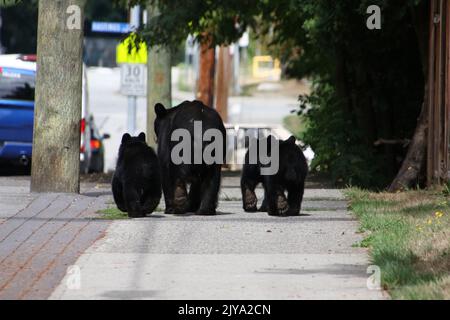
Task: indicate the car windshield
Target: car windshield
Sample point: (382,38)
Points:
(17,84)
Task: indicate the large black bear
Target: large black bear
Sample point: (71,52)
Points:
(202,177)
(290,177)
(136,183)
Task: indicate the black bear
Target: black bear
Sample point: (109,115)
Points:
(136,183)
(195,122)
(290,177)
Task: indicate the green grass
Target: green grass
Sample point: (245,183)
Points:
(112,213)
(408,236)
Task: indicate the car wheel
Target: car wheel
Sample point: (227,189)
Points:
(97,163)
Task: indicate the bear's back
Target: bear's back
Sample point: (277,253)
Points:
(185,114)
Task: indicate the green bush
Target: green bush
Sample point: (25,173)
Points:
(339,145)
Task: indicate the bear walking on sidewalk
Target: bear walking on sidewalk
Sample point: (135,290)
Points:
(199,129)
(290,177)
(136,183)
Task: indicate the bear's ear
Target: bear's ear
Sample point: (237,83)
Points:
(142,136)
(291,140)
(126,137)
(160,110)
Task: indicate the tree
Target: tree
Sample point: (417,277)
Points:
(411,172)
(56,139)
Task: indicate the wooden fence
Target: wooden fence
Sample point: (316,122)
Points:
(439,92)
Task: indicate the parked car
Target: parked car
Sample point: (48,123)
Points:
(17,86)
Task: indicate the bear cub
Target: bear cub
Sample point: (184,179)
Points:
(136,183)
(289,178)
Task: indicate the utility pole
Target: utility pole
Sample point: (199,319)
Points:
(236,69)
(57,113)
(205,92)
(223,82)
(159,80)
(135,15)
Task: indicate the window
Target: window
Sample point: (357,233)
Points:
(16,84)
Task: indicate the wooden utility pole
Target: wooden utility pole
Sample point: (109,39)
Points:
(223,82)
(439,93)
(158,81)
(205,92)
(57,113)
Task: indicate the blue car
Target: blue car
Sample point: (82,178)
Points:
(17,84)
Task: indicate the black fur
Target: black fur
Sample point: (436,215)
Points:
(203,179)
(136,183)
(290,178)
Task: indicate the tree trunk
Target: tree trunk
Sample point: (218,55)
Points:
(159,82)
(205,92)
(56,139)
(414,163)
(409,174)
(223,82)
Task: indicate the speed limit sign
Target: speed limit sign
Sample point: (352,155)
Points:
(133,79)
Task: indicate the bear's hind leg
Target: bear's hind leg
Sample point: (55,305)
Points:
(133,202)
(151,200)
(195,196)
(295,198)
(249,199)
(210,191)
(167,186)
(277,204)
(118,196)
(180,199)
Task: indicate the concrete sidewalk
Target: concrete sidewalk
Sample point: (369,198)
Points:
(234,255)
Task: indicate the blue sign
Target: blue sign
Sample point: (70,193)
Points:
(110,27)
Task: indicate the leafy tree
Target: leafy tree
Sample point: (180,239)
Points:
(19,27)
(19,22)
(105,10)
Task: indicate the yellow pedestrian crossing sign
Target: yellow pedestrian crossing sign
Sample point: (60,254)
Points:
(125,55)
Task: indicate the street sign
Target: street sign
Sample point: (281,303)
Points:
(127,51)
(133,79)
(110,27)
